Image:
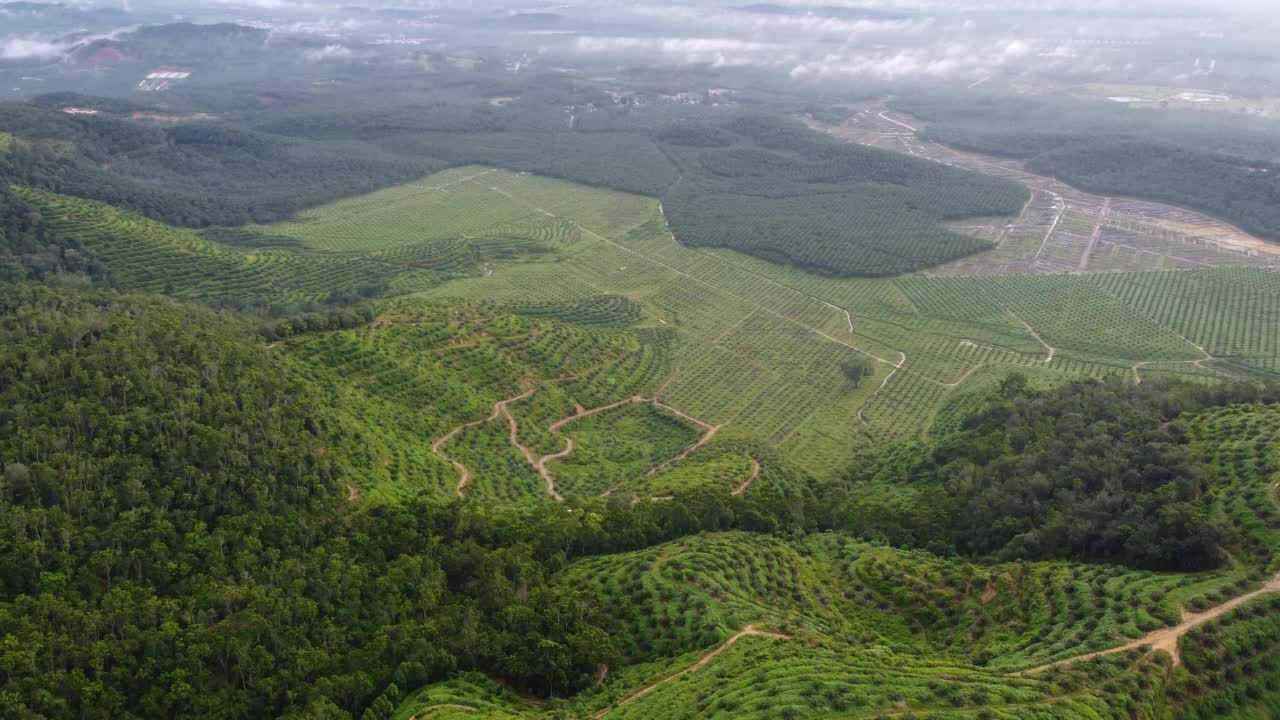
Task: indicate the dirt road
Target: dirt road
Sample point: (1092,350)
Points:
(708,430)
(701,663)
(464,474)
(1167,638)
(755,473)
(583,412)
(1098,225)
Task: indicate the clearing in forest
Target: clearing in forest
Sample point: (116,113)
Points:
(750,341)
(1063,229)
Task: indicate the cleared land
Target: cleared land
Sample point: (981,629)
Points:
(748,344)
(1063,229)
(758,346)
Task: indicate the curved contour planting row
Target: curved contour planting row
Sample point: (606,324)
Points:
(501,408)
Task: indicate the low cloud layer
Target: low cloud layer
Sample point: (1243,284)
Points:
(963,58)
(26,48)
(940,61)
(700,51)
(329,52)
(757,25)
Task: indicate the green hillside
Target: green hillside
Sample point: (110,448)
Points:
(771,188)
(445,387)
(749,343)
(316,452)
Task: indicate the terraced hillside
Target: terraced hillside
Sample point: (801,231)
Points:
(744,625)
(754,346)
(453,396)
(403,238)
(736,625)
(758,346)
(143,254)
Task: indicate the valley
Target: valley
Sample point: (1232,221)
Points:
(439,361)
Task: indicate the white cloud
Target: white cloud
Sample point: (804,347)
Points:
(23,48)
(328,52)
(770,26)
(1016,48)
(714,51)
(938,61)
(595,43)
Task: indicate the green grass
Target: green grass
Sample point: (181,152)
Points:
(472,203)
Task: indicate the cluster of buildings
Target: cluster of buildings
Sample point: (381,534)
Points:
(162,78)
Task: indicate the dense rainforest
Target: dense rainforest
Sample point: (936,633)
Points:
(29,249)
(1095,471)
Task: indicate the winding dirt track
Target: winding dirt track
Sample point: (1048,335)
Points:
(1167,638)
(701,663)
(708,430)
(431,709)
(583,412)
(539,464)
(541,467)
(502,408)
(755,473)
(464,473)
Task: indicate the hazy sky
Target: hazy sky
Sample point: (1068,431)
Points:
(951,39)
